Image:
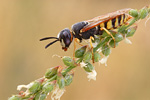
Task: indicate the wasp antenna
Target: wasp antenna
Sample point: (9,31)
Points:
(51,43)
(46,38)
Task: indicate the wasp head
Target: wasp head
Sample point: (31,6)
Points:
(65,37)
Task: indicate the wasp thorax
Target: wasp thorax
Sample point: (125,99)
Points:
(65,37)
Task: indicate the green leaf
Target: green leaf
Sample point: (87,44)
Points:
(51,72)
(68,61)
(48,87)
(130,31)
(87,56)
(118,37)
(61,82)
(111,43)
(97,56)
(80,52)
(68,79)
(106,50)
(14,97)
(35,87)
(89,67)
(133,12)
(40,96)
(143,13)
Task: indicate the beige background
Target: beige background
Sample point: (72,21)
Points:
(24,59)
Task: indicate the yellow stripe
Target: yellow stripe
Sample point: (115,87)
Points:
(116,23)
(109,24)
(121,21)
(102,25)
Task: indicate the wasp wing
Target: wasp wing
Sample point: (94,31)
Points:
(103,18)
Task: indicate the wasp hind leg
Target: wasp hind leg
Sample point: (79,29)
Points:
(103,28)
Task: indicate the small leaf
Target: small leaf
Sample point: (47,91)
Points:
(111,43)
(143,13)
(48,87)
(87,56)
(106,50)
(35,87)
(68,61)
(40,96)
(97,56)
(51,72)
(80,52)
(130,31)
(133,12)
(118,37)
(14,97)
(61,82)
(68,79)
(89,67)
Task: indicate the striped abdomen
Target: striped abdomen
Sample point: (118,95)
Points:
(115,22)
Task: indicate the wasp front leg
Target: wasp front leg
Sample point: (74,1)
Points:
(91,38)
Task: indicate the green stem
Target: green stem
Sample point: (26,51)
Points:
(68,69)
(101,43)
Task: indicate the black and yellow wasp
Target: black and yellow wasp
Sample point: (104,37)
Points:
(87,29)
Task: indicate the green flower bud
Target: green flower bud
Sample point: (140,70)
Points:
(89,67)
(97,56)
(35,87)
(143,13)
(80,52)
(68,61)
(130,32)
(14,97)
(61,82)
(106,50)
(48,87)
(133,12)
(87,56)
(68,79)
(118,37)
(51,72)
(111,43)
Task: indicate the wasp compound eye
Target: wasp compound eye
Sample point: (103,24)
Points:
(65,37)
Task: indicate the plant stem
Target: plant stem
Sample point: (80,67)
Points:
(101,43)
(68,69)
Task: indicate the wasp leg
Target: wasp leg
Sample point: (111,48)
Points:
(103,28)
(76,41)
(91,38)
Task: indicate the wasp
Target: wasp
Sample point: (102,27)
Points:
(89,28)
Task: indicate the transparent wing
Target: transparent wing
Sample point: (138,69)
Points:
(100,19)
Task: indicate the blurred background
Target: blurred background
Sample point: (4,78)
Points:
(24,59)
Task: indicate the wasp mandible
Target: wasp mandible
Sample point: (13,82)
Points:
(87,29)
